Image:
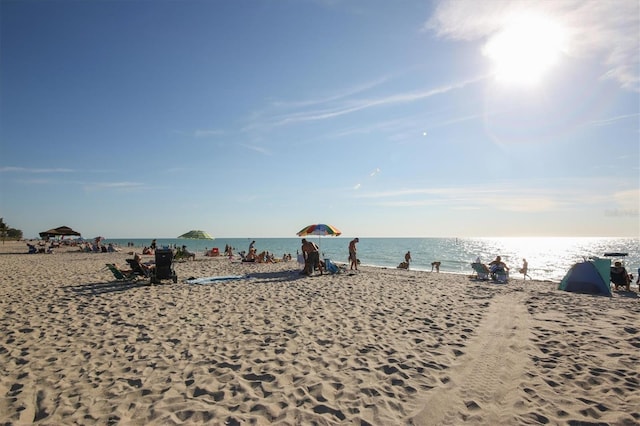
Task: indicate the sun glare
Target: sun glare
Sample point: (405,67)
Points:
(526,49)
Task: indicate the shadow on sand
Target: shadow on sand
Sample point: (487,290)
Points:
(95,289)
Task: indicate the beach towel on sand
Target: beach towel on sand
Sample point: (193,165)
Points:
(216,279)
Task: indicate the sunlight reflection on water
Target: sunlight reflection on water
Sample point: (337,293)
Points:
(549,257)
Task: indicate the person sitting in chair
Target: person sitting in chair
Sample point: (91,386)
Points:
(186,253)
(498,267)
(138,267)
(619,276)
(252,256)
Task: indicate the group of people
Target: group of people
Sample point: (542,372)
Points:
(85,247)
(495,268)
(407,260)
(42,249)
(498,267)
(252,255)
(311,257)
(183,253)
(98,248)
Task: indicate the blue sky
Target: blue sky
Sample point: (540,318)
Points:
(256,118)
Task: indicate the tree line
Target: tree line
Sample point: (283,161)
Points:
(7,233)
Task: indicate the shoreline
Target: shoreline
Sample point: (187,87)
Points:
(381,346)
(200,255)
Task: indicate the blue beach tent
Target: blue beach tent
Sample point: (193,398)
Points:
(592,277)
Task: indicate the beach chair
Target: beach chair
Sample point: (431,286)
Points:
(331,267)
(500,276)
(618,274)
(183,253)
(482,273)
(164,267)
(121,275)
(620,277)
(137,268)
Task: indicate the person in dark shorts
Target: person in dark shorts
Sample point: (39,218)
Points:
(311,254)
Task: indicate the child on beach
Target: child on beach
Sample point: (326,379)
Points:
(353,258)
(524,269)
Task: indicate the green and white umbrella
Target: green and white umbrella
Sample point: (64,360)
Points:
(196,235)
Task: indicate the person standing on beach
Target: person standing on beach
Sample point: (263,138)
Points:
(353,258)
(525,269)
(407,258)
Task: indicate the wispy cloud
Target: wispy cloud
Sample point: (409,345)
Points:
(350,101)
(346,93)
(505,197)
(606,30)
(614,120)
(351,106)
(629,199)
(256,148)
(41,181)
(10,169)
(274,112)
(120,186)
(88,186)
(208,133)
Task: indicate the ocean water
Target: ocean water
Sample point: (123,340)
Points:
(548,258)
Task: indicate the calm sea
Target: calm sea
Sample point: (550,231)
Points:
(549,258)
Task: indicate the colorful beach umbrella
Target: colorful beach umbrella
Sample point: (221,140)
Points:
(319,229)
(196,235)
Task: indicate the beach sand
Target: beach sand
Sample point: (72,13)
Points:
(379,347)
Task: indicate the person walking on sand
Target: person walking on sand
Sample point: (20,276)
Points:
(353,258)
(525,269)
(407,258)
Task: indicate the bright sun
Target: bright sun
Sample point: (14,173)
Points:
(526,49)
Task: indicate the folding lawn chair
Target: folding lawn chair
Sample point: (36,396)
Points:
(481,271)
(137,268)
(121,275)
